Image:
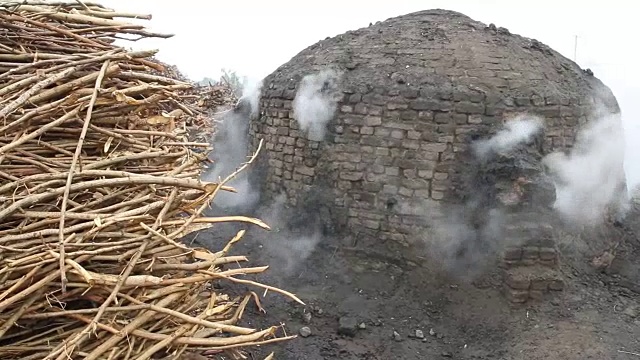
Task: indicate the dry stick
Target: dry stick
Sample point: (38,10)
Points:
(129,328)
(40,131)
(44,109)
(115,54)
(137,180)
(18,313)
(71,4)
(249,282)
(164,237)
(68,86)
(63,175)
(192,320)
(34,287)
(69,18)
(58,312)
(76,156)
(66,61)
(198,265)
(206,312)
(193,301)
(215,191)
(81,337)
(58,215)
(20,282)
(164,343)
(56,29)
(215,343)
(34,90)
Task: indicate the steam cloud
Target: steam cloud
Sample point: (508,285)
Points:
(285,248)
(590,181)
(231,146)
(516,131)
(316,102)
(463,237)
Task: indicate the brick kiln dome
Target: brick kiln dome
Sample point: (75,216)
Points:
(410,93)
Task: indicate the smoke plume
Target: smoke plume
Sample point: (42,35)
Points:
(280,247)
(589,184)
(464,238)
(230,150)
(283,247)
(519,130)
(316,102)
(590,180)
(458,246)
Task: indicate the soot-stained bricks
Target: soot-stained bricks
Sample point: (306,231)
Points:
(414,92)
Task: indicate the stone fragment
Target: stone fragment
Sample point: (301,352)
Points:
(556,285)
(347,326)
(397,336)
(305,332)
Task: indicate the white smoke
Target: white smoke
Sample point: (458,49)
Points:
(315,103)
(282,248)
(455,244)
(231,146)
(519,130)
(286,249)
(251,93)
(590,180)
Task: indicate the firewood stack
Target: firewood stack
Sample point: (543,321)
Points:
(99,182)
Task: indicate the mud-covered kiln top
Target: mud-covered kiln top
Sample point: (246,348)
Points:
(442,53)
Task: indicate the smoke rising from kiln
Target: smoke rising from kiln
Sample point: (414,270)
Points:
(282,248)
(316,102)
(589,184)
(519,130)
(456,245)
(285,248)
(590,180)
(464,238)
(230,150)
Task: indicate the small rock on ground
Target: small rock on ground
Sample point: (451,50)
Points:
(632,311)
(419,334)
(347,326)
(307,317)
(305,331)
(397,336)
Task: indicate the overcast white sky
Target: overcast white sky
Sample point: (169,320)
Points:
(254,37)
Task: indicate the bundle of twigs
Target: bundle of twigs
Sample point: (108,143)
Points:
(98,184)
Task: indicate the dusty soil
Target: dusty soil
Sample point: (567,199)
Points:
(596,317)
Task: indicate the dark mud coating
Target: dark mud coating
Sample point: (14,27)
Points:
(417,90)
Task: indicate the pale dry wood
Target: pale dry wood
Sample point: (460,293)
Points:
(100,183)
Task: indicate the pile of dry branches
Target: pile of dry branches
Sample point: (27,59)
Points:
(98,184)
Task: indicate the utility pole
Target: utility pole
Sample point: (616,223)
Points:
(575,49)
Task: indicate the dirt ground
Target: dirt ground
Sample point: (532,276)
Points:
(596,317)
